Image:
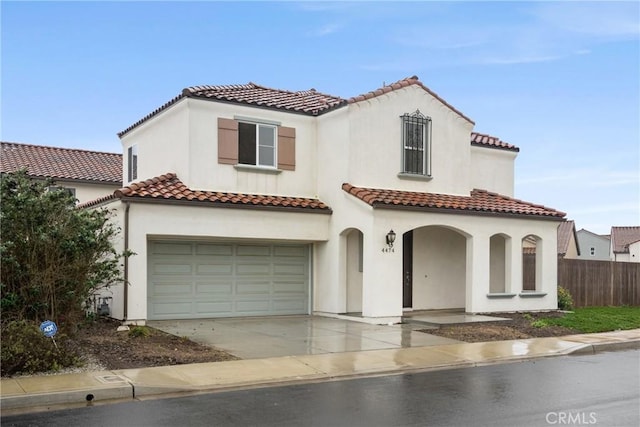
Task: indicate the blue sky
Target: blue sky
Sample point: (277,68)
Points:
(561,80)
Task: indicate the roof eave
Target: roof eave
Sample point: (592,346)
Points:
(208,203)
(379,205)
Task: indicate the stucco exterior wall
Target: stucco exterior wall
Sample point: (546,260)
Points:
(205,173)
(634,252)
(493,170)
(162,142)
(375,143)
(86,192)
(190,222)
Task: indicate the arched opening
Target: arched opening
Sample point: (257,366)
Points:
(499,255)
(438,274)
(531,263)
(354,268)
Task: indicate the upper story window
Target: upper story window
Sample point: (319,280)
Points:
(416,144)
(592,251)
(70,190)
(245,143)
(257,144)
(132,163)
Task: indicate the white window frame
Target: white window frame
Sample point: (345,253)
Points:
(259,161)
(592,251)
(416,119)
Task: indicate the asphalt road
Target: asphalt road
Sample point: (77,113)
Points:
(601,390)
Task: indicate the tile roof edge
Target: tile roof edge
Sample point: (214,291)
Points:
(535,205)
(154,113)
(406,82)
(52,147)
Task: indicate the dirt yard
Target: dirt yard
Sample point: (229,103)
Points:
(100,343)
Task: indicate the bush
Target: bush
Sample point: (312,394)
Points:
(25,350)
(565,301)
(53,255)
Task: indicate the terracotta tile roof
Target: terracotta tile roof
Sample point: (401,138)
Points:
(408,81)
(310,102)
(168,188)
(565,230)
(483,140)
(61,163)
(622,237)
(479,202)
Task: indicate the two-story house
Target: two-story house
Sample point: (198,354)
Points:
(243,200)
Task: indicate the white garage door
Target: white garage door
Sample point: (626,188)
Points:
(200,280)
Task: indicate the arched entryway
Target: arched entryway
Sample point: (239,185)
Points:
(434,268)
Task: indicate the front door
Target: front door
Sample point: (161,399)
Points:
(407,269)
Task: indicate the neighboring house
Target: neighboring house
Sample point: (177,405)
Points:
(625,244)
(567,242)
(86,174)
(593,246)
(241,200)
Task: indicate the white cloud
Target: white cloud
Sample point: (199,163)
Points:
(599,19)
(325,30)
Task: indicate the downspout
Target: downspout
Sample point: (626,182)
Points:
(125,313)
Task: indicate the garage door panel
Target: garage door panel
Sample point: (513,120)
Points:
(215,269)
(290,269)
(173,288)
(290,251)
(210,279)
(220,289)
(220,308)
(252,288)
(290,287)
(172,268)
(214,249)
(289,306)
(171,309)
(253,250)
(253,269)
(171,248)
(248,307)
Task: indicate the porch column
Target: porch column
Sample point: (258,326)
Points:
(477,277)
(515,271)
(382,279)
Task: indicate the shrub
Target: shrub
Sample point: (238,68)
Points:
(565,301)
(139,331)
(25,350)
(53,255)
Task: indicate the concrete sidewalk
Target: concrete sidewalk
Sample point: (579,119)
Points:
(53,392)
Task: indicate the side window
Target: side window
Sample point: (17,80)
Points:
(593,251)
(416,144)
(132,163)
(70,190)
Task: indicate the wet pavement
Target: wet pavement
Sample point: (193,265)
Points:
(601,389)
(257,338)
(45,392)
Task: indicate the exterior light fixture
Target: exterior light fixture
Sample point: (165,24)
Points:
(391,237)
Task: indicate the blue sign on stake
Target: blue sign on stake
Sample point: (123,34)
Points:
(48,328)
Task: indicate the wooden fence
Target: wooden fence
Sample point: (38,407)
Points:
(592,283)
(600,283)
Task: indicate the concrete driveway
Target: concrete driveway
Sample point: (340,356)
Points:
(262,337)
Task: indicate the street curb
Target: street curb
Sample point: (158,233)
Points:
(608,346)
(85,396)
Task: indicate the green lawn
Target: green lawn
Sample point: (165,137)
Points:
(599,319)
